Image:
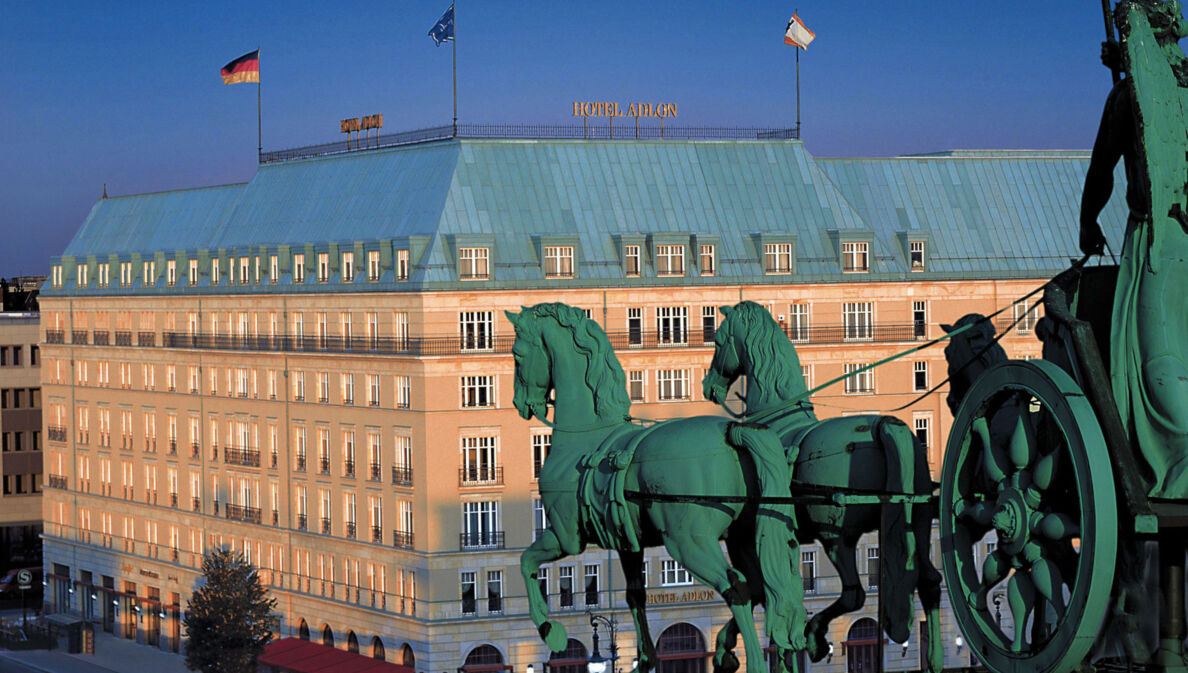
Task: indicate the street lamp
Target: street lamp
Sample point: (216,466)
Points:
(998,608)
(598,663)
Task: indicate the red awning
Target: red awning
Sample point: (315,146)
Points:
(294,655)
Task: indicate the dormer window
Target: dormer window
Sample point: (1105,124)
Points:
(244,268)
(474,263)
(631,259)
(148,273)
(856,257)
(171,272)
(299,267)
(709,259)
(558,261)
(373,265)
(323,267)
(670,260)
(401,265)
(193,272)
(348,267)
(82,275)
(125,274)
(214,271)
(917,255)
(104,274)
(777,258)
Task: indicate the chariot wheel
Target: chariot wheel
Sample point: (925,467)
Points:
(1026,460)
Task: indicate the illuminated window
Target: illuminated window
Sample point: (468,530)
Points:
(299,268)
(348,267)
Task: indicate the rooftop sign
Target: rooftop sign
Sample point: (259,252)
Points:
(612,109)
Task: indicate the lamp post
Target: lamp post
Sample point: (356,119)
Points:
(998,608)
(597,663)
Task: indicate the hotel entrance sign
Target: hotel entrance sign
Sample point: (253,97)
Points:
(612,109)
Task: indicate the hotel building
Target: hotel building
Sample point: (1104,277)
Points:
(314,367)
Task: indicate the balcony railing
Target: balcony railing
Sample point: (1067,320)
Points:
(402,476)
(374,471)
(54,336)
(241,513)
(324,465)
(350,529)
(377,534)
(56,433)
(197,504)
(101,337)
(245,457)
(325,526)
(348,468)
(300,467)
(123,338)
(173,500)
(173,447)
(78,337)
(146,339)
(195,449)
(302,521)
(57,481)
(468,476)
(402,539)
(482,540)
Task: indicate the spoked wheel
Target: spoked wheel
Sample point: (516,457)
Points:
(1026,460)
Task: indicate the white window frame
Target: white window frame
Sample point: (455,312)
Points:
(916,255)
(670,260)
(476,330)
(348,267)
(559,261)
(858,320)
(474,263)
(708,259)
(673,574)
(861,383)
(672,384)
(855,257)
(477,392)
(777,258)
(631,260)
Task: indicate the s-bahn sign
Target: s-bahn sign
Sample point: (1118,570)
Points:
(613,109)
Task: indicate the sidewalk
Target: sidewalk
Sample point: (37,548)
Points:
(112,654)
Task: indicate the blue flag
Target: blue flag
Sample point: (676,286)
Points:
(444,29)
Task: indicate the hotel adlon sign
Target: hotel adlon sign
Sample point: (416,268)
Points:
(613,109)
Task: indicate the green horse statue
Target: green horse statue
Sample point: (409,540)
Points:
(867,453)
(685,484)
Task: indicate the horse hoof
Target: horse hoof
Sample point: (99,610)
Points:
(729,663)
(553,633)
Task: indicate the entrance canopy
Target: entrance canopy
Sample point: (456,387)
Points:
(294,655)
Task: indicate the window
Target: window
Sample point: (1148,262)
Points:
(473,263)
(468,589)
(402,460)
(709,323)
(214,271)
(672,325)
(856,257)
(635,386)
(298,386)
(323,387)
(858,383)
(348,267)
(171,272)
(348,388)
(125,274)
(872,566)
(631,260)
(81,275)
(478,460)
(808,571)
(299,268)
(273,269)
(193,272)
(478,391)
(591,572)
(673,574)
(323,267)
(494,591)
(480,525)
(670,260)
(916,253)
(558,261)
(373,265)
(565,586)
(148,273)
(920,376)
(477,330)
(634,326)
(403,391)
(858,320)
(672,384)
(104,275)
(920,320)
(402,266)
(798,322)
(1025,316)
(709,259)
(777,258)
(56,273)
(348,453)
(540,519)
(541,443)
(542,578)
(256,268)
(244,269)
(373,390)
(920,424)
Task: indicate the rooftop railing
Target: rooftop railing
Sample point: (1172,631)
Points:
(624,130)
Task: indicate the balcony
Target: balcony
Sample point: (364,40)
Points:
(56,433)
(214,451)
(402,476)
(173,447)
(481,540)
(54,336)
(350,529)
(195,450)
(101,337)
(377,535)
(302,522)
(300,467)
(480,476)
(374,472)
(57,481)
(78,337)
(241,513)
(146,339)
(123,338)
(197,504)
(245,457)
(348,468)
(173,500)
(324,465)
(275,517)
(325,526)
(402,539)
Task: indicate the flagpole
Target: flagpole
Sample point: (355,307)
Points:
(454,58)
(259,126)
(798,93)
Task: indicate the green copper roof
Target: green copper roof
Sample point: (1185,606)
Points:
(981,213)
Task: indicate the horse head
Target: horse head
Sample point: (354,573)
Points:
(533,374)
(726,365)
(969,354)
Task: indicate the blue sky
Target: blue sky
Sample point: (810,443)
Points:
(128,93)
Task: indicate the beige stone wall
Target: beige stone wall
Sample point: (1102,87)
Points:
(21,507)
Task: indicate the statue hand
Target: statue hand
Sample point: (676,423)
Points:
(1092,240)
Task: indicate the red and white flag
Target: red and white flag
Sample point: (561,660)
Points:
(797,34)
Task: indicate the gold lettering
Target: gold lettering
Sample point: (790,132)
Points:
(631,111)
(577,109)
(587,109)
(671,109)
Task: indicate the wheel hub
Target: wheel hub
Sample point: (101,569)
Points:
(1010,520)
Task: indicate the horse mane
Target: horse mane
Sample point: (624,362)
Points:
(779,377)
(604,375)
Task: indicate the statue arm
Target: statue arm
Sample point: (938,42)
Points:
(1099,180)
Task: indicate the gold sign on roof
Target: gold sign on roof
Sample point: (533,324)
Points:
(357,124)
(613,109)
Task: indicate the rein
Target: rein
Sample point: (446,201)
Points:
(581,428)
(775,411)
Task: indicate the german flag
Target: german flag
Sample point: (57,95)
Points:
(243,70)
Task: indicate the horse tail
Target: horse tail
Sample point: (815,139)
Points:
(775,526)
(899,548)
